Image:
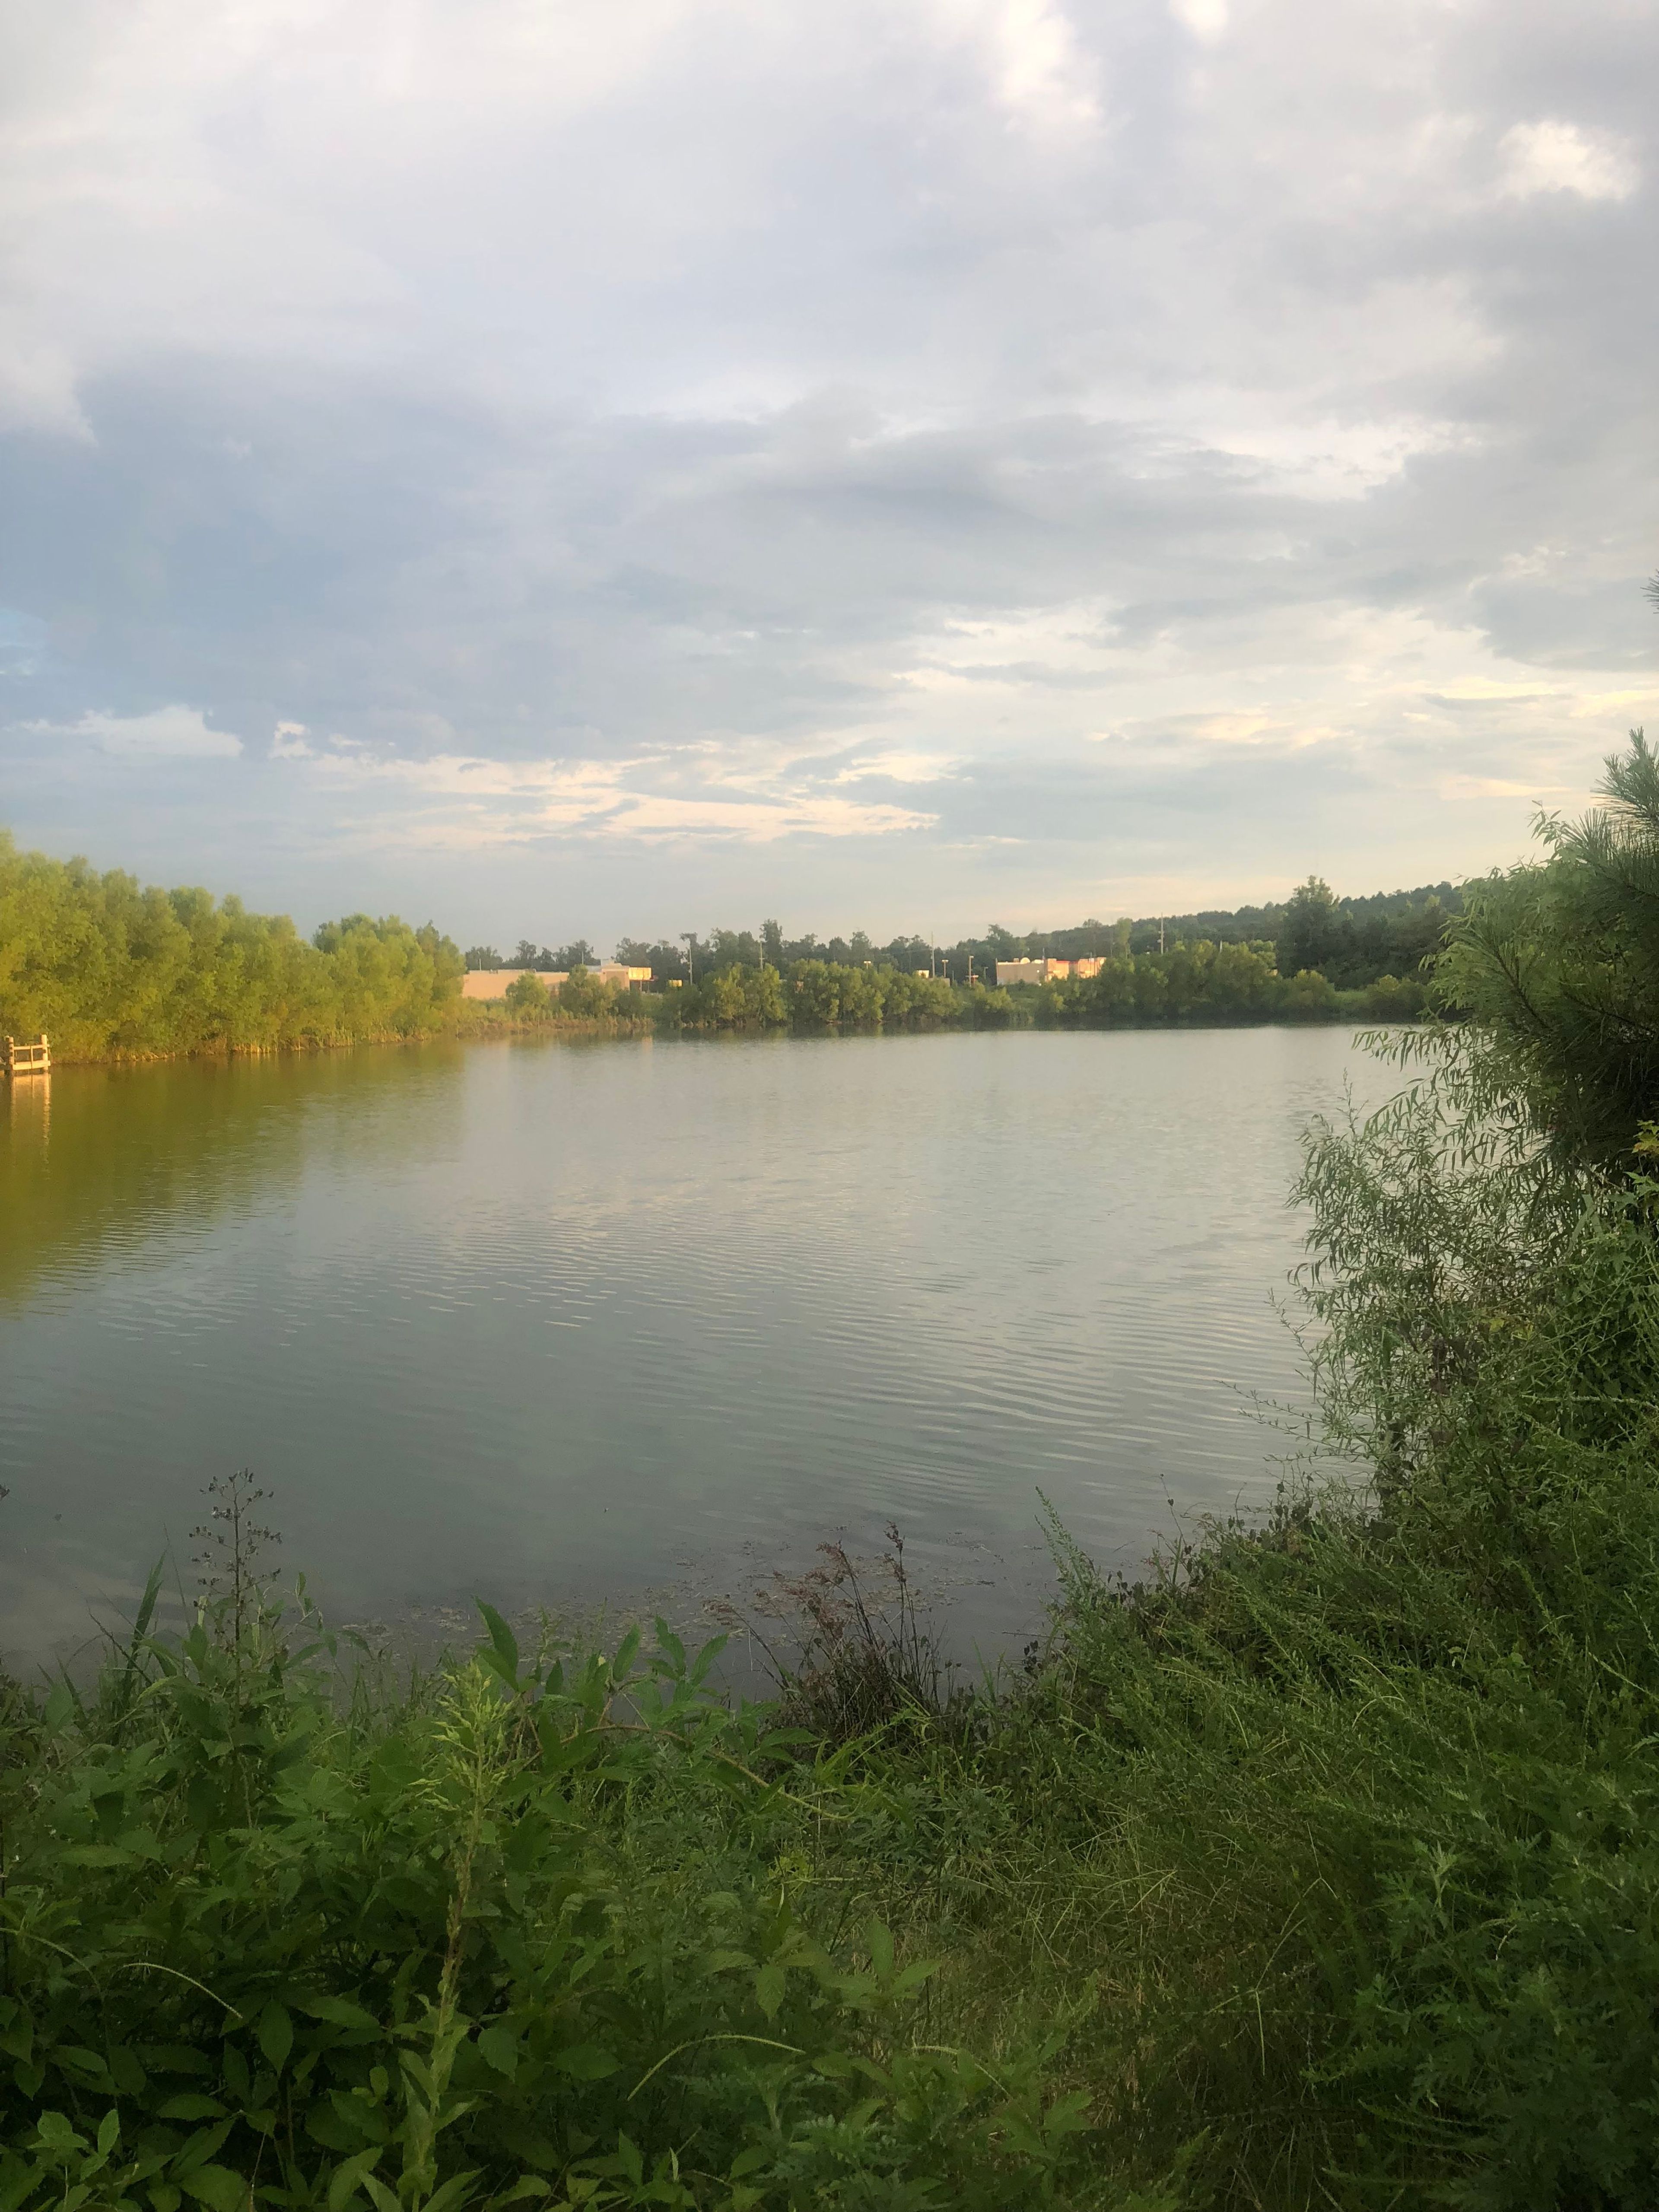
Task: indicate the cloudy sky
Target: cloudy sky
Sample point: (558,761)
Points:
(596,465)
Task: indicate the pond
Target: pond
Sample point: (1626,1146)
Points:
(570,1323)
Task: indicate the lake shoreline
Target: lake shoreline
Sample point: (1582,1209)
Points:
(579,1029)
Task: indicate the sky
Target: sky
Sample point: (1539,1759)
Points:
(597,466)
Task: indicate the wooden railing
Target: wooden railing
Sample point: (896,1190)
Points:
(30,1059)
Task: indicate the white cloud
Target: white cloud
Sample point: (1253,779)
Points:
(1002,406)
(896,767)
(167,733)
(1042,73)
(1204,19)
(466,804)
(37,386)
(1561,157)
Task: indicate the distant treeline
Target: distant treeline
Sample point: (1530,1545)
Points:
(1352,942)
(108,967)
(1188,983)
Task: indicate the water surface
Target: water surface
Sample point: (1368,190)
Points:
(551,1322)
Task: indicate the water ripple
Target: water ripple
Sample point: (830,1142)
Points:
(545,1322)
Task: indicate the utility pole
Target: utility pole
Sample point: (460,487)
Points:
(690,937)
(1160,933)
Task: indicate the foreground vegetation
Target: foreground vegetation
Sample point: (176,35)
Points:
(1319,1867)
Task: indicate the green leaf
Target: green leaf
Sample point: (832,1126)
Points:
(454,2191)
(504,1644)
(191,2106)
(879,1939)
(276,2034)
(55,2131)
(59,1705)
(348,2178)
(338,2011)
(393,1769)
(325,2125)
(769,1985)
(585,2062)
(174,2058)
(498,2045)
(109,2131)
(78,2060)
(200,2148)
(128,2076)
(218,2186)
(914,1976)
(1067,2115)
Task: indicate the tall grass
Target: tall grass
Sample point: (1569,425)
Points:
(541,1927)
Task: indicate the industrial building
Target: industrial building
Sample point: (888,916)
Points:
(494,982)
(1045,971)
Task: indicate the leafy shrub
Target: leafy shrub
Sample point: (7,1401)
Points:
(512,1937)
(526,999)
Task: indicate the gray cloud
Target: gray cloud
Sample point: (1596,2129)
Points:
(607,471)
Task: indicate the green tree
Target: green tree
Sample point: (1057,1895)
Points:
(815,988)
(1558,965)
(1395,999)
(585,996)
(1312,933)
(1241,978)
(107,966)
(528,999)
(1306,996)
